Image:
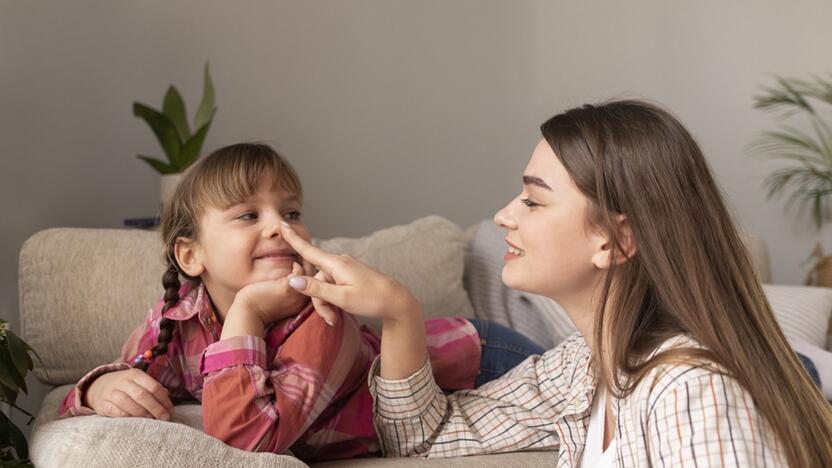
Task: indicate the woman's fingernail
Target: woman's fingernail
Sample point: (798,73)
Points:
(329,322)
(284,224)
(297,282)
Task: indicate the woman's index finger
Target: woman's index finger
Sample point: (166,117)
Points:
(314,255)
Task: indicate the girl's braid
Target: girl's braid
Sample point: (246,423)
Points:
(170,280)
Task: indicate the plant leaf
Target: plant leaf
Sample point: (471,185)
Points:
(206,109)
(8,395)
(174,107)
(160,166)
(14,437)
(162,127)
(9,371)
(192,147)
(19,354)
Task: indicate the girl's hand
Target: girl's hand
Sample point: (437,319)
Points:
(272,300)
(347,283)
(129,393)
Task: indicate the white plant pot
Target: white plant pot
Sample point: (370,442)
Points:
(168,183)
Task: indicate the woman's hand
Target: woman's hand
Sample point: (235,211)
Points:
(129,393)
(345,282)
(354,287)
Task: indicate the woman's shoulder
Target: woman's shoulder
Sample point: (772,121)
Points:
(687,375)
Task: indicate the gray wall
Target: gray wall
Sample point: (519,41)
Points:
(389,110)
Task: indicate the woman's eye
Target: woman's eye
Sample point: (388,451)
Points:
(292,215)
(529,203)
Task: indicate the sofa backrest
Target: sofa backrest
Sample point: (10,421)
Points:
(82,291)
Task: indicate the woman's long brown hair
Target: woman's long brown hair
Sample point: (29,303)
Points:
(691,273)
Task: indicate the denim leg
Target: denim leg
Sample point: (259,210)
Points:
(502,349)
(810,368)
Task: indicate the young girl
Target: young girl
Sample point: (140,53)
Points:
(678,359)
(269,372)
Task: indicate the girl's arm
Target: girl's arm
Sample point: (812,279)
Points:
(255,404)
(76,402)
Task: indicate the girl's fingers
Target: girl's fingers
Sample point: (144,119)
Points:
(155,389)
(126,404)
(147,401)
(309,269)
(297,269)
(318,257)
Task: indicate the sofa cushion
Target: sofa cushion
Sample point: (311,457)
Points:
(802,311)
(82,291)
(427,256)
(95,441)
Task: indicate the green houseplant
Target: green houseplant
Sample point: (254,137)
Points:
(170,125)
(805,157)
(15,363)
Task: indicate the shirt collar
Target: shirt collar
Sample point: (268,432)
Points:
(193,301)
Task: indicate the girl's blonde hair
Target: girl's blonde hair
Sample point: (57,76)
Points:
(690,274)
(227,176)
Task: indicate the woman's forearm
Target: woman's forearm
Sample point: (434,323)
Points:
(403,348)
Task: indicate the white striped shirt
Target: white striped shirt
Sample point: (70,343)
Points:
(678,415)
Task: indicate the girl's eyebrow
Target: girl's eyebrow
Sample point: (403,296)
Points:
(536,181)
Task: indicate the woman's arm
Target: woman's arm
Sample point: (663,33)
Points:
(519,411)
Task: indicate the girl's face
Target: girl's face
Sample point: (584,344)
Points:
(241,244)
(550,249)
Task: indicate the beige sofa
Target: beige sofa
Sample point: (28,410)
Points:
(83,290)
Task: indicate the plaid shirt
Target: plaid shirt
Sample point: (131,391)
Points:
(678,416)
(303,387)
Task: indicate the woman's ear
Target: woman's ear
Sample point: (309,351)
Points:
(602,259)
(187,256)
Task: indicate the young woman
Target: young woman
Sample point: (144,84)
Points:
(678,359)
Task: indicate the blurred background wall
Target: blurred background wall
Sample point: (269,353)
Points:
(390,110)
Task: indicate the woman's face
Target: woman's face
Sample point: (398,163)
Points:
(550,249)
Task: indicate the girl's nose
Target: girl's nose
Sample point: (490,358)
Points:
(272,229)
(504,218)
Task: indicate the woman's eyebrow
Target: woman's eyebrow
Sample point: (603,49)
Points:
(536,181)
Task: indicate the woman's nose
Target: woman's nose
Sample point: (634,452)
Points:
(504,218)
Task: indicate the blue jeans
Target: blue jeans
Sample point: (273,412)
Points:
(810,368)
(502,349)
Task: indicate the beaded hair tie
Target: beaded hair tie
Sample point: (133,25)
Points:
(145,356)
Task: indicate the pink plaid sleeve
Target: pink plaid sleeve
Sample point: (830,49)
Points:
(258,405)
(141,338)
(73,401)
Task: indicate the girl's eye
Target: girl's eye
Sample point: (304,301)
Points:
(529,203)
(292,215)
(248,216)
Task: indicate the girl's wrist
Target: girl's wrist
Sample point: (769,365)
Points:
(242,320)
